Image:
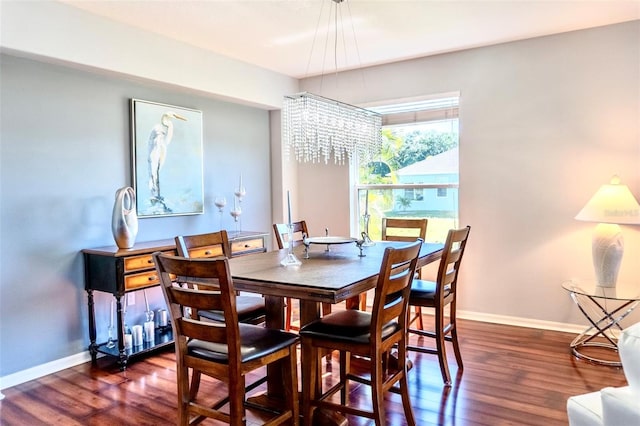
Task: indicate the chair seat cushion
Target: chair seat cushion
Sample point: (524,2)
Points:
(256,342)
(425,291)
(249,308)
(345,326)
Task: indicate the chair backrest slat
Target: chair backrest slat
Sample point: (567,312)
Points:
(187,296)
(403,229)
(215,332)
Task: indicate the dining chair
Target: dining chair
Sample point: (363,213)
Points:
(300,231)
(403,229)
(251,309)
(406,229)
(226,351)
(370,335)
(438,295)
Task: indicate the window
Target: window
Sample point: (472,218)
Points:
(415,194)
(408,193)
(417,172)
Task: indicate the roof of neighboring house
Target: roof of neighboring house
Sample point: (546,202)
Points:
(444,163)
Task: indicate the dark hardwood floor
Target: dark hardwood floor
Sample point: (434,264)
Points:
(512,376)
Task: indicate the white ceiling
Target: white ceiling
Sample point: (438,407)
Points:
(279,34)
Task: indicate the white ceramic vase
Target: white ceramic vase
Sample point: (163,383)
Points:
(124,222)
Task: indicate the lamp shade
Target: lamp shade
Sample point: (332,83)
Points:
(612,203)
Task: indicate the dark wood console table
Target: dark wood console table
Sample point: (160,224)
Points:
(119,271)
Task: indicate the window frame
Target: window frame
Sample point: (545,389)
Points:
(445,111)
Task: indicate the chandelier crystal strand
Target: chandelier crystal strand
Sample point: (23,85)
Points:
(317,128)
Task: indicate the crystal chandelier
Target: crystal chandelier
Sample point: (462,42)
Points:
(316,127)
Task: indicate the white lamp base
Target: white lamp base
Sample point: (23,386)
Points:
(607,248)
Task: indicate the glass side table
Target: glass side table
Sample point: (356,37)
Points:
(604,308)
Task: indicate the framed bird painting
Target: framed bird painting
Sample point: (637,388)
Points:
(166,159)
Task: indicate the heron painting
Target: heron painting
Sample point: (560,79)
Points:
(158,143)
(167,158)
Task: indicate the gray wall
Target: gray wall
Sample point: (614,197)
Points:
(65,149)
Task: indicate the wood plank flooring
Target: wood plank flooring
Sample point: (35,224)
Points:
(512,376)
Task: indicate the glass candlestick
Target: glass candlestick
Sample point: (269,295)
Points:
(367,242)
(240,192)
(291,259)
(110,342)
(220,203)
(236,212)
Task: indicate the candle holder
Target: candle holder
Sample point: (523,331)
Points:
(137,335)
(128,337)
(148,312)
(220,203)
(110,342)
(162,318)
(236,212)
(291,259)
(366,240)
(149,331)
(359,244)
(239,192)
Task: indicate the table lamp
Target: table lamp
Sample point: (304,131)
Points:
(611,206)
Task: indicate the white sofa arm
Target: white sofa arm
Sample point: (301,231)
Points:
(629,349)
(585,410)
(620,407)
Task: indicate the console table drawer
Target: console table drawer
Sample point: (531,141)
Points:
(145,279)
(211,251)
(247,246)
(136,263)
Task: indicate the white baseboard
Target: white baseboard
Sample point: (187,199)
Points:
(43,370)
(73,360)
(522,322)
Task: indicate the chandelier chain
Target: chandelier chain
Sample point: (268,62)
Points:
(316,128)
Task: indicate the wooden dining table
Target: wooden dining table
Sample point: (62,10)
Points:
(331,274)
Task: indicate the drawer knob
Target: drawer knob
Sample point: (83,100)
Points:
(149,261)
(152,278)
(247,246)
(207,252)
